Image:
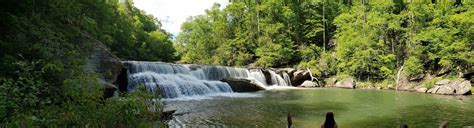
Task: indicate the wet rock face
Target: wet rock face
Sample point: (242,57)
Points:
(122,80)
(242,85)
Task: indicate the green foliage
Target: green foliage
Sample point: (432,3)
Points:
(43,46)
(431,83)
(265,34)
(367,40)
(413,66)
(82,105)
(273,55)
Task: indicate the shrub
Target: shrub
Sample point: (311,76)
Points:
(413,66)
(430,83)
(81,104)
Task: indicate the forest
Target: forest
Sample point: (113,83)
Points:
(44,45)
(369,40)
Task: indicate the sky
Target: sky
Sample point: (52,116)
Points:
(172,13)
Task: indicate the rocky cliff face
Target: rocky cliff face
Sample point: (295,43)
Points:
(104,63)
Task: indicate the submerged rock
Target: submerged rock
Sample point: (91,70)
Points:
(308,84)
(242,85)
(346,83)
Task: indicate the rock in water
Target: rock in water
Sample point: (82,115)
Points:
(242,85)
(300,76)
(308,84)
(346,83)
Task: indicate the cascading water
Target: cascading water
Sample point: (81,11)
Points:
(287,78)
(277,79)
(175,80)
(257,74)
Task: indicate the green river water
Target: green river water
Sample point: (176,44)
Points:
(352,108)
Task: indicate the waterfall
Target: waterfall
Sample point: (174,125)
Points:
(277,80)
(178,80)
(177,85)
(287,78)
(257,74)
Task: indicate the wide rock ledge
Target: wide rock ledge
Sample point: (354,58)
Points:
(242,85)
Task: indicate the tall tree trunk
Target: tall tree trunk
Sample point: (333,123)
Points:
(324,26)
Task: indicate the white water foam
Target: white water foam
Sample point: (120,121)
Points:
(213,96)
(193,81)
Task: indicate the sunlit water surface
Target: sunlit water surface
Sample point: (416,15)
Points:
(352,108)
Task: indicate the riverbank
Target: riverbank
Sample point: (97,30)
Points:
(438,85)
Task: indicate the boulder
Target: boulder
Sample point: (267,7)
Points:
(433,89)
(242,85)
(445,90)
(461,87)
(346,83)
(300,76)
(308,84)
(421,89)
(452,87)
(442,82)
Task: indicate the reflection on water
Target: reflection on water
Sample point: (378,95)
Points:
(352,108)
